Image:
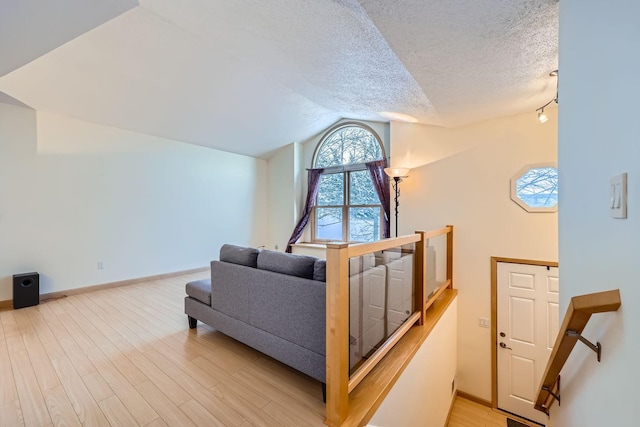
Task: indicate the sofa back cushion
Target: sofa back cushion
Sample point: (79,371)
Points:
(290,307)
(293,265)
(230,289)
(320,270)
(239,255)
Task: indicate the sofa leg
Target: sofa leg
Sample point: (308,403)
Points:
(193,322)
(324,392)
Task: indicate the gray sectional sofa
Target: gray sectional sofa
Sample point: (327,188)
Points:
(271,301)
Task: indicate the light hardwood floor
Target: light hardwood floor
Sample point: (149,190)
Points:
(125,356)
(466,413)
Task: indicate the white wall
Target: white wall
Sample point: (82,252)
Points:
(461,176)
(598,138)
(422,395)
(284,186)
(73,193)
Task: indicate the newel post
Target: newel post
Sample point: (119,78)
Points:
(450,256)
(337,351)
(420,276)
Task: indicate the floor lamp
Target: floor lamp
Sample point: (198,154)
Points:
(397,174)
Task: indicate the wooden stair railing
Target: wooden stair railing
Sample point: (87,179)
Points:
(340,383)
(578,313)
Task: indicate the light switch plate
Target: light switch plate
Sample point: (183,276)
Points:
(618,196)
(483,322)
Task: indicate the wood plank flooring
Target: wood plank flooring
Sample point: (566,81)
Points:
(125,357)
(466,413)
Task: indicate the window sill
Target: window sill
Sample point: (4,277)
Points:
(310,245)
(318,250)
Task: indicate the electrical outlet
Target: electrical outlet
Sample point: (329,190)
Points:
(100,265)
(483,322)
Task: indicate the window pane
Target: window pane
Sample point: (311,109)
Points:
(331,190)
(346,146)
(364,224)
(538,187)
(329,223)
(362,191)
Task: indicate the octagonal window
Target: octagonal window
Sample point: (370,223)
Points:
(535,188)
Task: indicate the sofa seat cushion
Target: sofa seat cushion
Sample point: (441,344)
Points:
(293,265)
(200,290)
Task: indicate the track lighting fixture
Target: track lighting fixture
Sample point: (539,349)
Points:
(542,117)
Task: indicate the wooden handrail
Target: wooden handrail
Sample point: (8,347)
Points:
(358,249)
(371,363)
(578,314)
(339,384)
(446,285)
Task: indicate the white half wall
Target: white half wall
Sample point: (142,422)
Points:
(423,394)
(598,138)
(461,176)
(73,193)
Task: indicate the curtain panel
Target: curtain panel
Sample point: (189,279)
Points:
(381,184)
(312,194)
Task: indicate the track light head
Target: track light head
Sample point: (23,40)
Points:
(542,117)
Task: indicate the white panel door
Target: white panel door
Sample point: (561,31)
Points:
(373,312)
(399,292)
(527,325)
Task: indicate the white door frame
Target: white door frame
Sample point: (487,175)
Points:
(494,316)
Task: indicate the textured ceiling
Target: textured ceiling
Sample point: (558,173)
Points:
(475,59)
(252,76)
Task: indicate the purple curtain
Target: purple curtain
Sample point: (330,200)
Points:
(312,194)
(381,184)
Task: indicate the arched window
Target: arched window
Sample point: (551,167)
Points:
(348,145)
(347,206)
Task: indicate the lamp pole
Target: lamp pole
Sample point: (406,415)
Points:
(397,174)
(394,184)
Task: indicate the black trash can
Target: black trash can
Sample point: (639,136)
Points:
(26,290)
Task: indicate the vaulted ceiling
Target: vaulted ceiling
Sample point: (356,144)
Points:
(252,76)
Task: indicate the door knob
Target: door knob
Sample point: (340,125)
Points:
(503,345)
